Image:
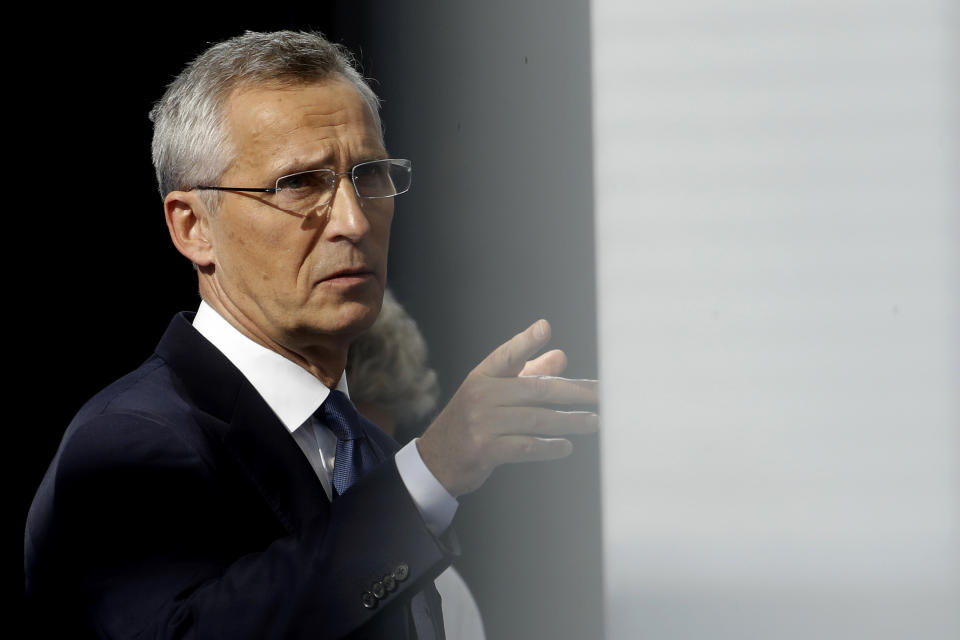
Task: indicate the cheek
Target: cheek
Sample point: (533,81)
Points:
(256,255)
(381,237)
(380,222)
(382,230)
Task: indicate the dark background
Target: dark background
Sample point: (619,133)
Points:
(491,102)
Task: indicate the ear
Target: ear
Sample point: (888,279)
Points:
(188,221)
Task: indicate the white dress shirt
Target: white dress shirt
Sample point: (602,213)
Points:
(294,394)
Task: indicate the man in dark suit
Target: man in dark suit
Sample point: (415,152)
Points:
(227,488)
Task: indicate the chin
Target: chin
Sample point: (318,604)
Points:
(352,318)
(341,314)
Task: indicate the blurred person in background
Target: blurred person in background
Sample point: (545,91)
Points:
(392,384)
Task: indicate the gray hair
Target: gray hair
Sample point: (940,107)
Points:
(387,366)
(191,144)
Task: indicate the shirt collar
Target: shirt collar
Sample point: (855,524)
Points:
(292,392)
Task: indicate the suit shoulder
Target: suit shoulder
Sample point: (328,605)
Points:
(152,388)
(153,392)
(145,418)
(129,458)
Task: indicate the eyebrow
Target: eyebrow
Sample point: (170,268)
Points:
(324,162)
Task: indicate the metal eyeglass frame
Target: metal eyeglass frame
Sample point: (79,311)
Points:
(276,188)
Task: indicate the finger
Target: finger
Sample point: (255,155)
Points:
(551,363)
(509,358)
(542,390)
(510,449)
(535,421)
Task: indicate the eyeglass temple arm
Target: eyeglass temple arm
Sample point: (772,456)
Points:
(267,190)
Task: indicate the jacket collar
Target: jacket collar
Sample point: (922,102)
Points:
(238,417)
(291,391)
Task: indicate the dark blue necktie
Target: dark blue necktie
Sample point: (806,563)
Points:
(354,456)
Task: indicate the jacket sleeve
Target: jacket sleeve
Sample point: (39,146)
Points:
(141,533)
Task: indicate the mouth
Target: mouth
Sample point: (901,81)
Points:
(349,277)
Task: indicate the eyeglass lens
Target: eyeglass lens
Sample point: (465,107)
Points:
(376,179)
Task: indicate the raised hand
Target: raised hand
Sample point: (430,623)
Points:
(505,411)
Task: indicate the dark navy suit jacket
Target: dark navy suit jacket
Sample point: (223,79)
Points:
(178,506)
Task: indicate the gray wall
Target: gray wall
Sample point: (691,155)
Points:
(491,101)
(779,269)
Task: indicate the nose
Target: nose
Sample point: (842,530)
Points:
(347,218)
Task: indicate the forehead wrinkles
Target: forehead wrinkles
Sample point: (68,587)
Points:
(271,124)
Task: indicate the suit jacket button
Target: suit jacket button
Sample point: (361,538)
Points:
(401,572)
(369,600)
(389,582)
(378,590)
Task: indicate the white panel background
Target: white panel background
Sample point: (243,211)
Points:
(778,242)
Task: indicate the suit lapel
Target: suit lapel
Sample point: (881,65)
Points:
(273,461)
(252,434)
(381,443)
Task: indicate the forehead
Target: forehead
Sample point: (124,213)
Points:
(277,127)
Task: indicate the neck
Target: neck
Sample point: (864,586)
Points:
(324,360)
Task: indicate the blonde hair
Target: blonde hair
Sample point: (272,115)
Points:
(387,367)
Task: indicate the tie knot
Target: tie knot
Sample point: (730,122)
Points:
(341,416)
